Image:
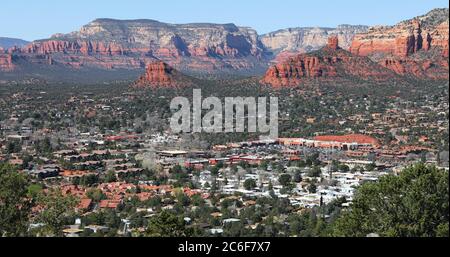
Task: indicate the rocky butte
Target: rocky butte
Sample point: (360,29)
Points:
(329,63)
(160,74)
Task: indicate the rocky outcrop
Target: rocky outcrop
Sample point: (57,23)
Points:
(333,43)
(84,47)
(440,37)
(429,68)
(302,40)
(84,53)
(160,74)
(129,44)
(417,47)
(6,62)
(405,38)
(330,62)
(200,47)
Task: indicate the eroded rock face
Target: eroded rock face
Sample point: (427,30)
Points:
(302,40)
(436,68)
(330,62)
(333,42)
(84,47)
(416,47)
(6,62)
(405,38)
(439,37)
(160,74)
(129,44)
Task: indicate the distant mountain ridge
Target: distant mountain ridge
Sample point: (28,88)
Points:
(309,38)
(6,42)
(417,46)
(131,44)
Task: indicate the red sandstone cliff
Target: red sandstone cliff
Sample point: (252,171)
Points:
(330,62)
(85,47)
(417,47)
(402,40)
(6,62)
(129,44)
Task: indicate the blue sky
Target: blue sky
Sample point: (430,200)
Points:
(32,20)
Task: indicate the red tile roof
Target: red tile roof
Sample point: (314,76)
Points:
(352,138)
(85,203)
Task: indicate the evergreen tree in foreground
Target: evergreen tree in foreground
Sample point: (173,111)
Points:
(413,204)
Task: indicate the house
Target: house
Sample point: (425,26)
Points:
(109,204)
(85,204)
(46,172)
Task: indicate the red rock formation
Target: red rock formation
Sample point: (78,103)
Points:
(411,47)
(430,69)
(333,42)
(85,47)
(445,51)
(160,74)
(109,44)
(328,63)
(396,65)
(401,40)
(400,44)
(6,62)
(440,37)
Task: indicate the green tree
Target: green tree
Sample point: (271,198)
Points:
(13,147)
(298,177)
(167,224)
(413,204)
(284,179)
(312,188)
(34,190)
(110,177)
(95,194)
(89,180)
(183,199)
(56,208)
(371,167)
(15,206)
(215,170)
(344,168)
(315,172)
(249,184)
(264,165)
